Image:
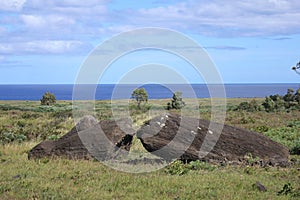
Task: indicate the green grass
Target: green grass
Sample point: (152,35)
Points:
(21,178)
(68,179)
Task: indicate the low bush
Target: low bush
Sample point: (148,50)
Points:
(8,137)
(251,106)
(176,102)
(296,147)
(285,135)
(180,168)
(261,129)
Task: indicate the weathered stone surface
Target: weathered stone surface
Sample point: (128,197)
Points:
(89,139)
(172,136)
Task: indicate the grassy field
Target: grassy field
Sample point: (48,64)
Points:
(25,124)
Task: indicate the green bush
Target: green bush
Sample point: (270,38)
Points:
(180,168)
(176,102)
(251,106)
(8,137)
(177,168)
(53,137)
(296,147)
(290,101)
(294,124)
(199,165)
(48,99)
(286,190)
(261,129)
(284,135)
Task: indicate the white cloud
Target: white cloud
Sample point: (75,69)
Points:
(230,48)
(33,21)
(2,58)
(48,21)
(226,18)
(66,6)
(64,3)
(61,19)
(77,20)
(12,5)
(44,47)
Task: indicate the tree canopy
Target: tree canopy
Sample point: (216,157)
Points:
(140,95)
(48,99)
(297,68)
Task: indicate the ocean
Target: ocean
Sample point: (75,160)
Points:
(155,91)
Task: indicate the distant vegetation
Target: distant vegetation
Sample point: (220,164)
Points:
(176,102)
(140,95)
(48,99)
(289,135)
(273,103)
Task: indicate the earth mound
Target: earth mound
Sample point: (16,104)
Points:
(175,137)
(89,139)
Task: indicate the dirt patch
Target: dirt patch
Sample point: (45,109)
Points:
(173,136)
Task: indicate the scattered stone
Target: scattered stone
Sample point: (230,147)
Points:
(89,139)
(18,176)
(260,187)
(177,140)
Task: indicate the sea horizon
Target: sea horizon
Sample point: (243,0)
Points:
(109,91)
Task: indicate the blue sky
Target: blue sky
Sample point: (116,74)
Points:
(250,41)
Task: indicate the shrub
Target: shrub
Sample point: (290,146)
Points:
(269,104)
(180,168)
(251,106)
(8,137)
(177,168)
(290,101)
(199,165)
(284,135)
(286,190)
(48,99)
(296,148)
(261,129)
(177,102)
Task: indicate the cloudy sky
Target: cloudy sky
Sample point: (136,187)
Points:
(250,41)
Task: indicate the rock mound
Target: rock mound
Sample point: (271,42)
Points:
(175,137)
(89,139)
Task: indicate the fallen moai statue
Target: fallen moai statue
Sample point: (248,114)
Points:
(89,139)
(176,137)
(169,137)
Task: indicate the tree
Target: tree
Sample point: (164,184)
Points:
(48,99)
(251,106)
(177,102)
(290,101)
(297,68)
(140,95)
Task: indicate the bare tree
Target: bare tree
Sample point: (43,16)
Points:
(297,68)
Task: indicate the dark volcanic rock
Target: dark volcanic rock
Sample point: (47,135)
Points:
(175,137)
(88,139)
